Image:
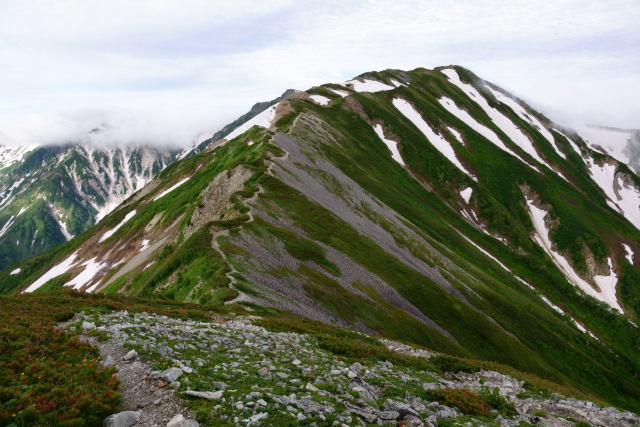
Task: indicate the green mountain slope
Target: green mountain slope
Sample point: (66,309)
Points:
(427,206)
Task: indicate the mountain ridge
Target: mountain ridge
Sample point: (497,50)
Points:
(479,239)
(100,184)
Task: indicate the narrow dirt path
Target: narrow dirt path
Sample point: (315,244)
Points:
(151,397)
(223,233)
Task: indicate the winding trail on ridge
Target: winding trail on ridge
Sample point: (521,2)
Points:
(231,274)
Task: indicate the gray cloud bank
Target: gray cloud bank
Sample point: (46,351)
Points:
(165,71)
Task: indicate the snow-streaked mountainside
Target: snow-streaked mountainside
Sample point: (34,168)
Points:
(428,206)
(48,194)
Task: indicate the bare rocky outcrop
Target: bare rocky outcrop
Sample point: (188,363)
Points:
(215,198)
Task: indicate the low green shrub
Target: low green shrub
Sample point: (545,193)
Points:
(468,402)
(497,401)
(452,364)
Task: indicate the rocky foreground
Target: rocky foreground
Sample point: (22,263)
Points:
(233,372)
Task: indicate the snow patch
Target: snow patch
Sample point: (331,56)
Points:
(119,172)
(16,271)
(457,135)
(111,232)
(264,119)
(485,252)
(54,272)
(524,115)
(57,215)
(562,312)
(552,305)
(541,237)
(464,116)
(367,85)
(63,229)
(6,194)
(607,285)
(342,93)
(184,152)
(170,189)
(629,253)
(466,194)
(629,202)
(91,268)
(441,144)
(524,282)
(613,141)
(396,83)
(10,154)
(319,99)
(7,225)
(144,246)
(503,122)
(107,208)
(391,145)
(604,175)
(614,206)
(624,195)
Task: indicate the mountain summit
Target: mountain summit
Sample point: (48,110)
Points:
(426,206)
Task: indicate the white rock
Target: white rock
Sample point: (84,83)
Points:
(257,417)
(180,421)
(88,325)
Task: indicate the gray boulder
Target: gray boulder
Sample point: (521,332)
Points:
(171,374)
(209,395)
(403,409)
(130,356)
(388,416)
(121,419)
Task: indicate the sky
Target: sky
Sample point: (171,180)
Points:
(165,72)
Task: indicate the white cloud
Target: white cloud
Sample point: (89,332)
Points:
(180,67)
